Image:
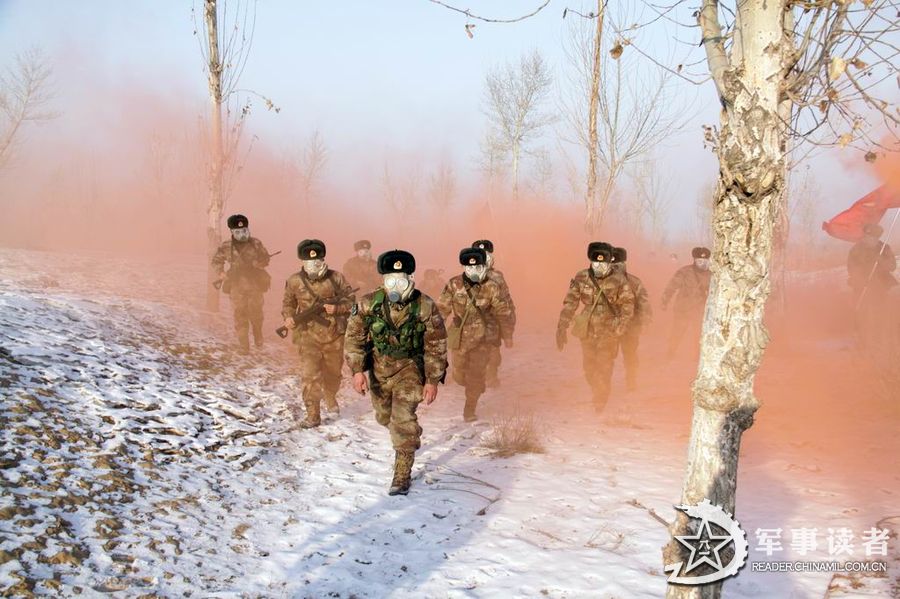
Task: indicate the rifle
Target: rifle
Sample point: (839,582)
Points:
(314,313)
(218,282)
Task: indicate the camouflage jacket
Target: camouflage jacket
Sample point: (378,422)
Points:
(490,320)
(432,364)
(301,293)
(611,316)
(690,285)
(871,261)
(643,313)
(497,276)
(362,273)
(247,261)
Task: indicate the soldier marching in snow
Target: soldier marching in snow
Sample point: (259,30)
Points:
(494,357)
(316,305)
(607,307)
(690,286)
(397,335)
(478,314)
(628,343)
(245,281)
(361,270)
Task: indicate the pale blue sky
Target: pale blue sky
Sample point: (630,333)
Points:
(397,75)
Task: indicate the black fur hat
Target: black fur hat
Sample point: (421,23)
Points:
(484,244)
(238,221)
(311,249)
(472,256)
(396,261)
(362,244)
(599,251)
(619,255)
(700,252)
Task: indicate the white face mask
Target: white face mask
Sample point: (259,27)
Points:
(601,269)
(242,234)
(314,268)
(702,263)
(364,253)
(490,260)
(399,286)
(476,273)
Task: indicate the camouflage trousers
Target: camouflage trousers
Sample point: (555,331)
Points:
(248,311)
(469,369)
(684,322)
(320,371)
(628,347)
(494,359)
(395,399)
(598,356)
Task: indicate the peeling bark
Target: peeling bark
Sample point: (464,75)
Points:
(216,192)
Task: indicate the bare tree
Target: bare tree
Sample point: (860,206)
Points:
(515,95)
(653,198)
(442,185)
(541,183)
(309,168)
(24,94)
(628,110)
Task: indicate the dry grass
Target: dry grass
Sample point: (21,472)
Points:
(513,435)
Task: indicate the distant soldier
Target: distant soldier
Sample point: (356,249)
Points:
(246,280)
(396,333)
(690,286)
(360,270)
(432,284)
(494,358)
(870,264)
(478,314)
(317,302)
(608,305)
(628,343)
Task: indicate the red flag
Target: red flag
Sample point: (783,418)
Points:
(848,225)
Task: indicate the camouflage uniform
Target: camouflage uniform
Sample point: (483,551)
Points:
(319,343)
(608,322)
(494,358)
(628,343)
(396,381)
(362,273)
(245,282)
(690,286)
(432,284)
(491,320)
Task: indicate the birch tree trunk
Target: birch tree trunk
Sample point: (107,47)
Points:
(216,198)
(590,199)
(751,183)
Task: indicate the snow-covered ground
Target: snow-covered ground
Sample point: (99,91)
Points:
(140,456)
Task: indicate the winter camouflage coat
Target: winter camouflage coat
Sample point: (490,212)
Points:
(497,276)
(301,293)
(611,316)
(690,286)
(362,273)
(643,313)
(432,363)
(490,311)
(247,261)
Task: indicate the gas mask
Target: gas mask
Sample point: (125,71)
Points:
(242,234)
(399,286)
(476,273)
(364,254)
(314,269)
(601,269)
(702,263)
(490,260)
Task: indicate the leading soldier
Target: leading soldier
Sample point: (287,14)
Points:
(397,335)
(316,304)
(246,280)
(478,315)
(690,286)
(608,305)
(628,343)
(360,269)
(494,357)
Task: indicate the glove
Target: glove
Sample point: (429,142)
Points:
(561,339)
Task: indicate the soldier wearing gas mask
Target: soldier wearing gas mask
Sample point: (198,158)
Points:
(478,314)
(246,280)
(360,269)
(690,287)
(607,305)
(396,335)
(494,357)
(628,343)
